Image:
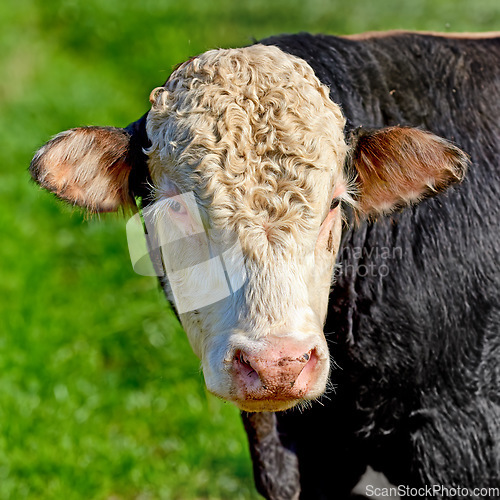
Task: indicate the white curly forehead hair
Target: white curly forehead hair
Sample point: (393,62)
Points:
(253,133)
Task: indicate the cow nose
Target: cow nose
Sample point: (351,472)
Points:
(285,374)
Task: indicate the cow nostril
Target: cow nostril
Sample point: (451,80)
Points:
(242,359)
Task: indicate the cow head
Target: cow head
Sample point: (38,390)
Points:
(247,155)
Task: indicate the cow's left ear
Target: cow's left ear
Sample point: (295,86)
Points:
(87,166)
(397,166)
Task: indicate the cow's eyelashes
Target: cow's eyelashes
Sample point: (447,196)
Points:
(335,203)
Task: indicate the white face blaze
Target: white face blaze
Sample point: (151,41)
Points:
(251,139)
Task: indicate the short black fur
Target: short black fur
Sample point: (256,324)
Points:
(414,317)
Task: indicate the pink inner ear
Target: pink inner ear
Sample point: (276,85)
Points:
(400,165)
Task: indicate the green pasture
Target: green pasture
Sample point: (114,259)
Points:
(100,395)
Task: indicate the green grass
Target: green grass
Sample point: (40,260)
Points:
(100,395)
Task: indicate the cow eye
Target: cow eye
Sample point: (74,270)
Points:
(335,203)
(177,208)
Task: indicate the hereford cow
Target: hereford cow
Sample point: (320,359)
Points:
(295,153)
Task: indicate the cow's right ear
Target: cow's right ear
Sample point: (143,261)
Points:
(87,166)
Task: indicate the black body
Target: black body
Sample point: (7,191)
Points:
(414,317)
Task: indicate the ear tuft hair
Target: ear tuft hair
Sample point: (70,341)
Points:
(397,166)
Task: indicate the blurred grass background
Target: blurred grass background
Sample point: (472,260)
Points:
(100,395)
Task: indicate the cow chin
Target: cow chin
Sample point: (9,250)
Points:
(279,402)
(268,405)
